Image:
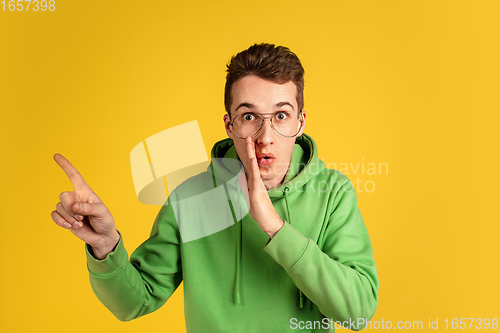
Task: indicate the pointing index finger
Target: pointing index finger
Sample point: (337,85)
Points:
(74,176)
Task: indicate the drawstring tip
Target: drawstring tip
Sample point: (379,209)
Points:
(301,300)
(238,298)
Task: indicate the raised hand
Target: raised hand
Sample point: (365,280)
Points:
(83,213)
(260,206)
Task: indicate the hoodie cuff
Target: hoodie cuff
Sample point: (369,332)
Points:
(113,261)
(287,246)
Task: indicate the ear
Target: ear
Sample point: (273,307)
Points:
(227,126)
(303,123)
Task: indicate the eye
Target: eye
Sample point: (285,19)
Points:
(281,116)
(248,117)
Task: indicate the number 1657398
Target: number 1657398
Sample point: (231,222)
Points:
(26,5)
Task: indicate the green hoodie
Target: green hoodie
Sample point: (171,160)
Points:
(319,265)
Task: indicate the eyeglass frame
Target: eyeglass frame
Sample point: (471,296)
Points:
(299,114)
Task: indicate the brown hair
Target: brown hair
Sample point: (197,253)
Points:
(267,61)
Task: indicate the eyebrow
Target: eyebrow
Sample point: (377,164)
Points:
(251,106)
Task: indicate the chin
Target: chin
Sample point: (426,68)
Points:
(265,176)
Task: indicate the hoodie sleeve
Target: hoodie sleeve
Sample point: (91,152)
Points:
(341,277)
(130,289)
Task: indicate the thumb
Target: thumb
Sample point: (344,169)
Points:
(98,210)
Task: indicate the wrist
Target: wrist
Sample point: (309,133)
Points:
(107,246)
(277,227)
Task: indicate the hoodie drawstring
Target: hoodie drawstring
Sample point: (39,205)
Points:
(238,262)
(285,191)
(238,248)
(239,242)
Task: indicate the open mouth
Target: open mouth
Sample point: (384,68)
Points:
(265,160)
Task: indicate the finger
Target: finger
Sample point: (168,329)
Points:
(67,200)
(254,168)
(98,210)
(74,176)
(254,179)
(74,221)
(59,220)
(250,148)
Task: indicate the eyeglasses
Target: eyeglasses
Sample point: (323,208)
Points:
(287,124)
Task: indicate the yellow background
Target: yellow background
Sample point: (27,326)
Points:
(414,84)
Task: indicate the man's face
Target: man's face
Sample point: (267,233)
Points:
(273,151)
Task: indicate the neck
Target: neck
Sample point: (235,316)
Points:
(270,184)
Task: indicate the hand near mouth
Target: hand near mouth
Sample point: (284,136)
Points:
(258,201)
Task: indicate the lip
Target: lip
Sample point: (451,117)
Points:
(265,160)
(264,155)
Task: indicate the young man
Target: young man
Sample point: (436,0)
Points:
(301,258)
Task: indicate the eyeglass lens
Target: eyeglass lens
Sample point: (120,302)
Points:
(248,124)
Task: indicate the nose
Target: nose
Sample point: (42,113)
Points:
(266,133)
